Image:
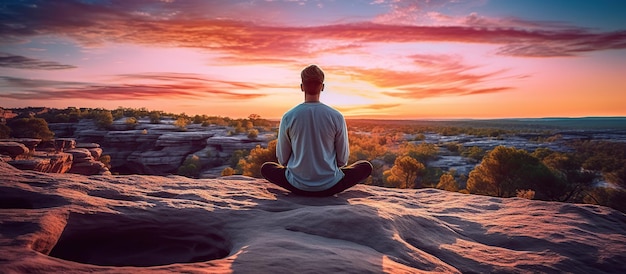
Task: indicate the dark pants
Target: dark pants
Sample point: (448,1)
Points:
(354,174)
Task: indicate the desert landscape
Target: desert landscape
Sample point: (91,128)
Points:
(67,208)
(132,135)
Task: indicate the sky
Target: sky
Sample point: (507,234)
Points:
(385,59)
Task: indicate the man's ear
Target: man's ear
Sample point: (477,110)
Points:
(322,87)
(301,87)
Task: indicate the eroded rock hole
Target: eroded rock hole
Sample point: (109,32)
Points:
(113,240)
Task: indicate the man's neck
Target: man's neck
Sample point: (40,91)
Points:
(311,98)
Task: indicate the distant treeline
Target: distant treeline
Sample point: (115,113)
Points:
(33,122)
(520,124)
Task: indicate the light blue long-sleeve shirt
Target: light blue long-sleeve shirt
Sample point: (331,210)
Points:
(313,145)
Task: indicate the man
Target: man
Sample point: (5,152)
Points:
(312,148)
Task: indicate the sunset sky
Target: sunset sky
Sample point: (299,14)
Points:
(420,59)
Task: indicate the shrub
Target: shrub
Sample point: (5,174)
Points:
(31,128)
(5,131)
(182,123)
(447,182)
(190,167)
(131,122)
(103,118)
(404,172)
(251,166)
(526,194)
(106,160)
(155,117)
(505,170)
(228,171)
(253,134)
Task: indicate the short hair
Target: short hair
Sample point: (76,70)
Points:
(312,74)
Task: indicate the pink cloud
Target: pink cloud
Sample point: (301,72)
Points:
(440,75)
(168,86)
(181,25)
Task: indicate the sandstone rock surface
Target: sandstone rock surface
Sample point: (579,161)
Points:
(45,162)
(13,149)
(68,223)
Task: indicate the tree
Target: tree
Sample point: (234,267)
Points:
(422,152)
(253,134)
(404,172)
(237,155)
(190,167)
(251,165)
(182,123)
(474,152)
(576,181)
(5,131)
(106,160)
(155,117)
(504,170)
(228,171)
(448,183)
(131,123)
(31,128)
(103,118)
(249,125)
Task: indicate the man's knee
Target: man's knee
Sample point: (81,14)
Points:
(364,166)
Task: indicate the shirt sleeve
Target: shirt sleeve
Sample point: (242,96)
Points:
(283,146)
(341,144)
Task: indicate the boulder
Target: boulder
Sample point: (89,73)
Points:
(13,149)
(84,163)
(45,162)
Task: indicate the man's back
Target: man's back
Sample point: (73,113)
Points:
(313,144)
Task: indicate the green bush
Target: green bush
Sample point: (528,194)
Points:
(190,167)
(103,118)
(31,128)
(5,131)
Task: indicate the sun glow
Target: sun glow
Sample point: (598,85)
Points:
(400,60)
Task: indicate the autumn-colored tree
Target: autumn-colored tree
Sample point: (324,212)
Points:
(504,170)
(253,133)
(364,147)
(106,160)
(249,125)
(131,122)
(448,183)
(404,172)
(182,122)
(251,165)
(228,171)
(474,152)
(421,152)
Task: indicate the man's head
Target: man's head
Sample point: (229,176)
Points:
(312,80)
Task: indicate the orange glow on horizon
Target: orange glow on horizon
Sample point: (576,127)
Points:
(399,59)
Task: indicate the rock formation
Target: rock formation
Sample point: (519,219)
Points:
(54,156)
(160,149)
(67,223)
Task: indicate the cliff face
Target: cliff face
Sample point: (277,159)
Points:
(159,149)
(128,224)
